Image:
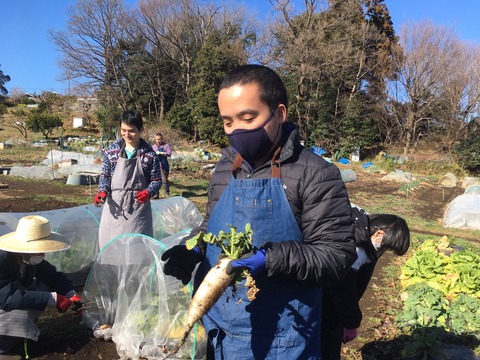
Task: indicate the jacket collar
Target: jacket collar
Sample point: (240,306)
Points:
(291,141)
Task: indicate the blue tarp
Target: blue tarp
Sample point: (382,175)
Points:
(317,150)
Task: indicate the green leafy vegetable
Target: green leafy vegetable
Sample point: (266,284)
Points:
(464,316)
(234,244)
(424,307)
(441,290)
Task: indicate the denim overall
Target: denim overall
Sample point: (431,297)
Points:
(283,322)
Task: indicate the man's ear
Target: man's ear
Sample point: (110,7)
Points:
(281,111)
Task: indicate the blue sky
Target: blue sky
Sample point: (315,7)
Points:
(30,58)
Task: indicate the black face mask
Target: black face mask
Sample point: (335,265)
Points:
(252,144)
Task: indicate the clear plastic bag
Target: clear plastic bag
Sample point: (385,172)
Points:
(145,309)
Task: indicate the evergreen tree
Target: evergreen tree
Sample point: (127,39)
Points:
(224,50)
(3,80)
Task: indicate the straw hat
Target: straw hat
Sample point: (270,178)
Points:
(33,235)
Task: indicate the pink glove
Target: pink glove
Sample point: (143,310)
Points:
(349,335)
(100,198)
(63,304)
(142,196)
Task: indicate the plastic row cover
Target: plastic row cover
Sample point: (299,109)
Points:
(463,212)
(142,309)
(79,225)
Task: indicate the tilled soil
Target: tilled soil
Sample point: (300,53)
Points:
(63,337)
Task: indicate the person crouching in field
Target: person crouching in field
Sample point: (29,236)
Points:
(374,234)
(28,283)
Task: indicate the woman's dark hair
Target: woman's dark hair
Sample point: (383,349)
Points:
(272,89)
(397,233)
(133,118)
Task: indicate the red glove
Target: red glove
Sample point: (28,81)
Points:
(78,304)
(100,198)
(76,298)
(142,196)
(349,335)
(63,304)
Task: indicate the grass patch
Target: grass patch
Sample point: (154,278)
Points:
(23,155)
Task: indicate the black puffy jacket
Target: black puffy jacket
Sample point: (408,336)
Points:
(320,203)
(16,278)
(341,301)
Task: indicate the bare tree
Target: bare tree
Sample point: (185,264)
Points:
(461,94)
(328,49)
(297,51)
(428,57)
(19,122)
(89,46)
(177,30)
(16,94)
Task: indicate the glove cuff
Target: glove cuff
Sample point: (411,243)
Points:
(52,299)
(197,250)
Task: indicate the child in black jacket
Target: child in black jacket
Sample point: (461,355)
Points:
(374,234)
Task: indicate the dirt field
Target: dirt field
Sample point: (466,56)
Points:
(77,343)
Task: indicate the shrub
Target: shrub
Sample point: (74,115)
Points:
(43,122)
(433,167)
(467,153)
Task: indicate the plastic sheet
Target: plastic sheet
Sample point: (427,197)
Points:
(348,175)
(399,176)
(79,225)
(140,308)
(473,189)
(470,181)
(317,150)
(463,212)
(448,180)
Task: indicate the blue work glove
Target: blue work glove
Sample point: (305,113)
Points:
(180,262)
(254,261)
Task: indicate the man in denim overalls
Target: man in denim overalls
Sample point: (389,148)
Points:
(299,212)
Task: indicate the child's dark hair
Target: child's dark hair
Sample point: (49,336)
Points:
(397,233)
(133,118)
(272,89)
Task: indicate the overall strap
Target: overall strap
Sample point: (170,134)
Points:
(237,163)
(275,163)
